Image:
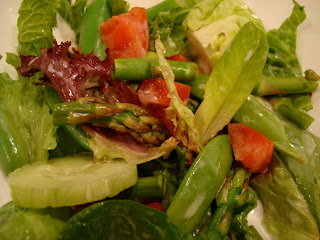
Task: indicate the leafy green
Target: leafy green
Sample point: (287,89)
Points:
(25,102)
(35,23)
(105,149)
(232,80)
(168,25)
(21,223)
(306,176)
(286,213)
(119,219)
(181,116)
(72,14)
(282,60)
(211,25)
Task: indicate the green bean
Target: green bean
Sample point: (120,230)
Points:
(14,152)
(90,40)
(201,184)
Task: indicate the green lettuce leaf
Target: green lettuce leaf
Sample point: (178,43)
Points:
(282,60)
(104,149)
(211,25)
(181,116)
(35,23)
(119,7)
(286,213)
(21,223)
(306,176)
(168,25)
(72,14)
(231,81)
(31,115)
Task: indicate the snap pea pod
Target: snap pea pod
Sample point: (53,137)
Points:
(75,131)
(90,40)
(255,115)
(201,183)
(14,152)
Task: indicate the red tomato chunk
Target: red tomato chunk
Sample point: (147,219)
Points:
(250,147)
(126,35)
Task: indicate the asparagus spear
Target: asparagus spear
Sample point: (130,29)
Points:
(122,117)
(232,196)
(148,68)
(285,107)
(283,86)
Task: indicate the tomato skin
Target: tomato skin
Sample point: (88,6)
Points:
(126,35)
(155,91)
(250,147)
(178,57)
(153,94)
(155,205)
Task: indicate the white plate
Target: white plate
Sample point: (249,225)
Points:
(271,12)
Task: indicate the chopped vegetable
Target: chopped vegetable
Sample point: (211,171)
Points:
(126,35)
(201,183)
(250,147)
(156,92)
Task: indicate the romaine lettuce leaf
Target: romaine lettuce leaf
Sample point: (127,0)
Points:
(31,115)
(232,80)
(35,23)
(286,213)
(181,116)
(21,223)
(306,176)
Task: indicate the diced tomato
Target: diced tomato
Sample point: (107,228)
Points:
(126,35)
(155,91)
(155,205)
(250,147)
(178,57)
(154,95)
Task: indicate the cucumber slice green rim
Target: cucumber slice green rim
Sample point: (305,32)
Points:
(69,181)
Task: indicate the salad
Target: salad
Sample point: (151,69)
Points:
(173,120)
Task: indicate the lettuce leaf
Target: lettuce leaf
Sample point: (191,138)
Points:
(232,80)
(181,116)
(306,176)
(168,25)
(72,14)
(211,25)
(286,213)
(31,115)
(21,223)
(35,23)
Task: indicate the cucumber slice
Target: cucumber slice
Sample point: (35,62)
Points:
(69,181)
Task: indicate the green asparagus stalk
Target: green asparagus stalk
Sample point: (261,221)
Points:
(302,101)
(122,117)
(231,196)
(138,69)
(166,5)
(283,86)
(286,109)
(148,188)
